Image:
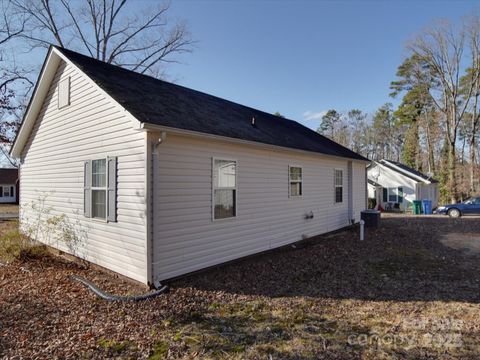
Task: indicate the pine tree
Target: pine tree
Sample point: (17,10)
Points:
(329,123)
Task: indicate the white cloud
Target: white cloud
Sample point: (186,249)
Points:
(314,115)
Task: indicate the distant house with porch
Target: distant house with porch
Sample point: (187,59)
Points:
(395,186)
(9,186)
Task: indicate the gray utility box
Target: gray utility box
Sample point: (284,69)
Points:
(371,218)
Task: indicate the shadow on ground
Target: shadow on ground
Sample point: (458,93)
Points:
(406,259)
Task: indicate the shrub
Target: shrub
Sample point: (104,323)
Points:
(372,202)
(15,245)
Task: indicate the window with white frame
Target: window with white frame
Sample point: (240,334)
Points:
(395,194)
(6,191)
(64,93)
(295,181)
(224,189)
(100,188)
(338,186)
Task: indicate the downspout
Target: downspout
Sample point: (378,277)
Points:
(351,214)
(155,164)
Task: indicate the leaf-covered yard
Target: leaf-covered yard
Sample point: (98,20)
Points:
(410,290)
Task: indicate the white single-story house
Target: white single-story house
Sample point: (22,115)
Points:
(395,186)
(154,180)
(8,185)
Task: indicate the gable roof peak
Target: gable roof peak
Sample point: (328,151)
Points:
(160,103)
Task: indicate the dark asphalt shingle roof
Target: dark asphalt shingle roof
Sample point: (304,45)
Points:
(162,103)
(407,169)
(8,176)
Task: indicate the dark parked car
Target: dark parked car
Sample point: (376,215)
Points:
(467,207)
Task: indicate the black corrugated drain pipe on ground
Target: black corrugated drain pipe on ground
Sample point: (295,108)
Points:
(109,297)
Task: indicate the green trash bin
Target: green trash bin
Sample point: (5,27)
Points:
(417,207)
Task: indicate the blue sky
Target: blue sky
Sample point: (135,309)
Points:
(300,58)
(303,57)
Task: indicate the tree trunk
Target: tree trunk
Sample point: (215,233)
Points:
(430,148)
(472,165)
(473,143)
(452,181)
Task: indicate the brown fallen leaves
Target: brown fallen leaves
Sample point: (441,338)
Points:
(408,291)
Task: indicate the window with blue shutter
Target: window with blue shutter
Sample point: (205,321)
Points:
(112,189)
(87,176)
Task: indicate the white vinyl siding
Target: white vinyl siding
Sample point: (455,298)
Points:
(185,239)
(359,185)
(53,162)
(408,189)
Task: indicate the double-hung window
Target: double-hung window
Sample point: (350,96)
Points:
(295,181)
(338,186)
(100,188)
(395,194)
(224,189)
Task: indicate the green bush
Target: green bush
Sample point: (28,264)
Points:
(372,202)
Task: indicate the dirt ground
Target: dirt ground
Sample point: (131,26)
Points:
(411,290)
(8,209)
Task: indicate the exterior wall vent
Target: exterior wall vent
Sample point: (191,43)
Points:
(64,93)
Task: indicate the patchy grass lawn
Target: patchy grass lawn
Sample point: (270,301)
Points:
(14,245)
(411,290)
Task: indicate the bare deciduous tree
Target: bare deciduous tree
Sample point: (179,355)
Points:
(472,79)
(107,30)
(14,80)
(443,48)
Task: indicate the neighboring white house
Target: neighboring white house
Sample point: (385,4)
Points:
(8,185)
(154,180)
(395,185)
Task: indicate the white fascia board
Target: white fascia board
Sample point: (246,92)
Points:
(407,173)
(36,101)
(176,131)
(41,89)
(136,124)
